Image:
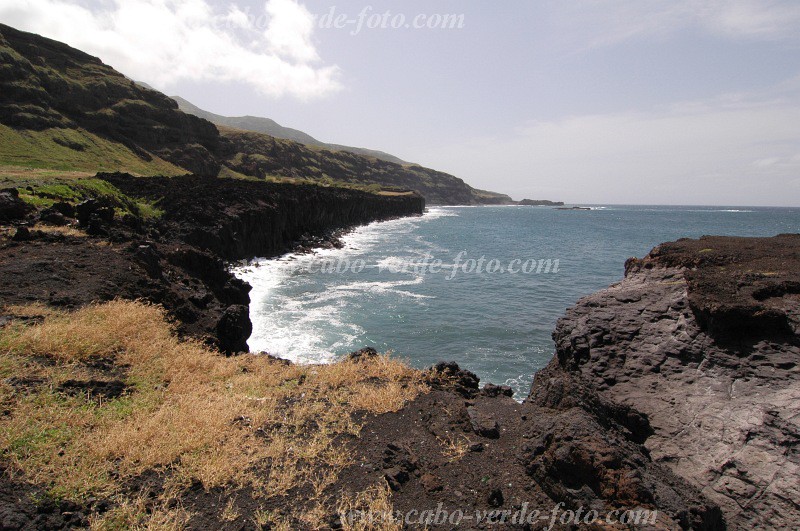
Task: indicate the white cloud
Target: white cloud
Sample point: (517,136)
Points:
(596,23)
(752,18)
(714,152)
(164,42)
(289,31)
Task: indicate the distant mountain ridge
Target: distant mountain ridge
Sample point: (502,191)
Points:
(272,128)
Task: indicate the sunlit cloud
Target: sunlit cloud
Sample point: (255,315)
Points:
(165,42)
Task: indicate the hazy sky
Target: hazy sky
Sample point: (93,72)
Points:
(606,101)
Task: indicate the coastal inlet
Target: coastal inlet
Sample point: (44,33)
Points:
(384,289)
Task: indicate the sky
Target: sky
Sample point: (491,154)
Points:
(595,101)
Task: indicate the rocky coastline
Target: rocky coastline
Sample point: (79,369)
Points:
(179,260)
(673,391)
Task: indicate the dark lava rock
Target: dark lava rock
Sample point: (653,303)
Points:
(234,328)
(65,209)
(149,259)
(237,219)
(577,461)
(91,209)
(492,390)
(12,208)
(364,354)
(277,359)
(483,424)
(53,217)
(395,477)
(695,353)
(25,507)
(399,465)
(22,234)
(449,374)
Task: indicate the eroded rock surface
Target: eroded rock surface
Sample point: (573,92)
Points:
(700,339)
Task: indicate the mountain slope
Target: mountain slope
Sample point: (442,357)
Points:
(262,156)
(273,128)
(48,87)
(62,109)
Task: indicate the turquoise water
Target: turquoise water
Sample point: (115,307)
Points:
(390,293)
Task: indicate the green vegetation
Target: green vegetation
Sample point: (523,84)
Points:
(43,192)
(271,158)
(75,150)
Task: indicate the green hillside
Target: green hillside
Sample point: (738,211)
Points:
(273,128)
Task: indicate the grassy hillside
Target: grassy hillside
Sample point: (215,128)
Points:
(53,94)
(75,150)
(263,156)
(272,128)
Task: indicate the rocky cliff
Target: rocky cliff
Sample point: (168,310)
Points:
(236,219)
(701,340)
(176,258)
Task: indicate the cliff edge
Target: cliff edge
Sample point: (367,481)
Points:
(701,338)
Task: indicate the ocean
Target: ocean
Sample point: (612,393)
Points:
(482,286)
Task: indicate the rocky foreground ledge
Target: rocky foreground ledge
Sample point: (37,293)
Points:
(701,340)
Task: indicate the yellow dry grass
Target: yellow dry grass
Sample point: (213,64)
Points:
(454,447)
(66,230)
(190,412)
(368,510)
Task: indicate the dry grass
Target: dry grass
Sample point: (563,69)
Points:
(67,230)
(368,510)
(138,514)
(454,447)
(18,172)
(190,412)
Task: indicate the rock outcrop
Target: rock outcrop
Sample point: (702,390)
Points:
(12,208)
(238,219)
(696,351)
(470,450)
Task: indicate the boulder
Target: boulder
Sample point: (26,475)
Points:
(233,329)
(447,374)
(53,217)
(365,354)
(12,208)
(483,424)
